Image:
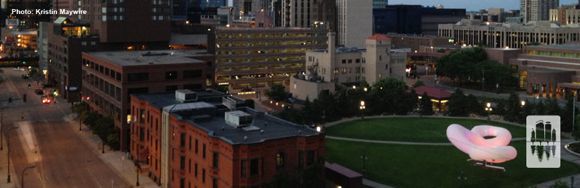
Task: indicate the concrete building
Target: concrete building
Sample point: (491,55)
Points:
(415,42)
(501,35)
(66,41)
(304,13)
(355,22)
(354,65)
(252,59)
(110,77)
(565,15)
(549,70)
(207,139)
(537,10)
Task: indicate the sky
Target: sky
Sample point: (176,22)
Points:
(472,4)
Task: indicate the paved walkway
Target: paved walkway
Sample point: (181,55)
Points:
(4,170)
(117,160)
(399,142)
(567,156)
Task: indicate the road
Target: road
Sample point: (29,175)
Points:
(45,140)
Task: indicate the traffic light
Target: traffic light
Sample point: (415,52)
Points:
(24,98)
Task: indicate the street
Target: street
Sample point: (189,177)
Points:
(45,144)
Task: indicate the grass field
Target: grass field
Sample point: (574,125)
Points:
(429,166)
(409,129)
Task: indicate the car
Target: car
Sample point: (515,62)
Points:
(39,91)
(46,99)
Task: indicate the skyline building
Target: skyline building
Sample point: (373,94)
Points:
(380,3)
(304,13)
(537,10)
(355,22)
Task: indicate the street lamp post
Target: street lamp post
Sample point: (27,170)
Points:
(8,152)
(362,108)
(364,159)
(22,175)
(488,109)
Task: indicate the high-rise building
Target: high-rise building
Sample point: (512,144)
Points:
(355,22)
(251,7)
(537,10)
(131,24)
(304,13)
(380,3)
(565,15)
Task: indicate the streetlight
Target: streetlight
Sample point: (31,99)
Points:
(523,103)
(462,178)
(362,108)
(22,175)
(488,109)
(364,159)
(8,152)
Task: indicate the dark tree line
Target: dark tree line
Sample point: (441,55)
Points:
(386,97)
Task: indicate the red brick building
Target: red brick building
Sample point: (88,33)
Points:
(110,77)
(213,141)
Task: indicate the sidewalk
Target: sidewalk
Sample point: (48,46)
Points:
(3,171)
(117,160)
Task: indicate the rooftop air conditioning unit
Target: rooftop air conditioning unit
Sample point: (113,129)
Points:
(185,95)
(238,119)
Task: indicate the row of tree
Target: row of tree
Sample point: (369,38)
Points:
(472,66)
(513,109)
(102,126)
(387,96)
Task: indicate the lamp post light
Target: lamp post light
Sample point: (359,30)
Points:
(362,109)
(488,109)
(364,159)
(22,175)
(523,103)
(462,178)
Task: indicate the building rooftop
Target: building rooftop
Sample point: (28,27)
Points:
(569,46)
(379,37)
(208,113)
(158,57)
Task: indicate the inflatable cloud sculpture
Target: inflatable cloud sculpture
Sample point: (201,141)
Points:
(483,142)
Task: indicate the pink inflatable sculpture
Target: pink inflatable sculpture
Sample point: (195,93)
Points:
(483,142)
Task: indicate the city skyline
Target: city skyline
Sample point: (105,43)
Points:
(468,5)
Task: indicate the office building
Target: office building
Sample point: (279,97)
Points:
(129,24)
(110,77)
(549,70)
(66,41)
(355,65)
(252,59)
(414,19)
(304,13)
(537,10)
(42,42)
(355,22)
(512,35)
(565,15)
(206,139)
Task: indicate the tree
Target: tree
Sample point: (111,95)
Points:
(457,104)
(513,108)
(278,93)
(473,106)
(425,105)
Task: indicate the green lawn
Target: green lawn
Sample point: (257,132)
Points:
(409,129)
(436,166)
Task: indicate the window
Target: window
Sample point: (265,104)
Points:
(203,175)
(254,166)
(280,160)
(309,157)
(134,77)
(344,61)
(203,151)
(196,143)
(215,183)
(357,61)
(182,162)
(189,74)
(300,159)
(195,170)
(216,160)
(182,140)
(171,75)
(243,167)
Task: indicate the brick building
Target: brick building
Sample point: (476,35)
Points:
(207,139)
(110,77)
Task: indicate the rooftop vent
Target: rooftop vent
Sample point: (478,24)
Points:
(238,119)
(185,96)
